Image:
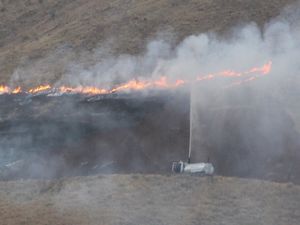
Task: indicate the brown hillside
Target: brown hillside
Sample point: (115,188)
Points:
(149,199)
(31,29)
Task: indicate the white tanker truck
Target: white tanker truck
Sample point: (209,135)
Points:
(204,169)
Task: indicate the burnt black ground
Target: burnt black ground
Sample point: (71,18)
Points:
(74,134)
(56,136)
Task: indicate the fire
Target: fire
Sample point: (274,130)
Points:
(264,70)
(4,89)
(82,90)
(16,90)
(179,83)
(162,82)
(8,90)
(40,88)
(207,77)
(131,85)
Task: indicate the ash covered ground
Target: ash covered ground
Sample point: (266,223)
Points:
(127,141)
(50,137)
(46,136)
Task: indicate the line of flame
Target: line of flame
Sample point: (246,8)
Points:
(162,82)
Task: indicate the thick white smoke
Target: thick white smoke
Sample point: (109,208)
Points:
(246,47)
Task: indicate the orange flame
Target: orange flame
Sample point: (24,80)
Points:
(39,89)
(17,90)
(179,83)
(131,85)
(83,90)
(162,82)
(264,70)
(8,90)
(4,89)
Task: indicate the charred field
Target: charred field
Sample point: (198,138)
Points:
(51,137)
(70,155)
(47,136)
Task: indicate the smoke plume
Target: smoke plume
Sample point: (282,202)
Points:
(245,128)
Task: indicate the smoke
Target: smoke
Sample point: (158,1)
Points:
(246,130)
(245,47)
(253,129)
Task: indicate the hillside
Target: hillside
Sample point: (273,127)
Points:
(150,199)
(32,29)
(246,132)
(45,136)
(76,158)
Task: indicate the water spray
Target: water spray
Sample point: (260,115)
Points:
(205,169)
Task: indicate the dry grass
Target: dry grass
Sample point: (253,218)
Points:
(149,199)
(34,28)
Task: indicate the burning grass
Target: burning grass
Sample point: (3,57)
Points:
(142,84)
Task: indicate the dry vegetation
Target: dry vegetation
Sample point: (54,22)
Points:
(149,199)
(34,28)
